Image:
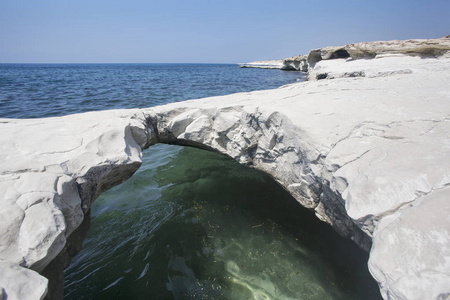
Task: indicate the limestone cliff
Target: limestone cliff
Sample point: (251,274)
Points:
(369,154)
(369,50)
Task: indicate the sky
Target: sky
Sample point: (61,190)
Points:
(202,31)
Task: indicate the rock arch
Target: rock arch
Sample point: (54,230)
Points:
(266,141)
(111,152)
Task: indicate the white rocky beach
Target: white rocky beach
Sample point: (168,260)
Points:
(364,143)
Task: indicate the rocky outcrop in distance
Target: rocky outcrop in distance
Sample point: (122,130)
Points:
(369,154)
(264,64)
(366,50)
(296,63)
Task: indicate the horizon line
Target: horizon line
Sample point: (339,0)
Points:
(98,63)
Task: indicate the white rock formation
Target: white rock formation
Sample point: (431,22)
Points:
(296,63)
(369,50)
(370,154)
(263,64)
(52,169)
(20,283)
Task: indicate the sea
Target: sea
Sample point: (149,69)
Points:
(190,224)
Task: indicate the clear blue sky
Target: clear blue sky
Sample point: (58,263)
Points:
(88,31)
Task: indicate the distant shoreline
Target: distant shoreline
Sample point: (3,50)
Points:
(263,64)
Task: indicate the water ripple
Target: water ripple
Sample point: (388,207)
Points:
(41,90)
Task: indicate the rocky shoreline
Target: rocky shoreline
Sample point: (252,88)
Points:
(265,64)
(364,143)
(366,50)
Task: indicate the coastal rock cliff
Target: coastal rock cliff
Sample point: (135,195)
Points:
(369,154)
(366,50)
(369,50)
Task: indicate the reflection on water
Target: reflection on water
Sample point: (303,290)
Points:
(191,224)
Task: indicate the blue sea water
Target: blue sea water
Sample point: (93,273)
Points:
(189,224)
(44,90)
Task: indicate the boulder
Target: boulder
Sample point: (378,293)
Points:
(17,283)
(296,63)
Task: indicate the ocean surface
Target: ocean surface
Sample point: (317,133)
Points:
(190,224)
(44,90)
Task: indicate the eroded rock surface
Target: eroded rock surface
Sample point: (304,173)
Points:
(52,170)
(368,50)
(296,63)
(20,283)
(370,154)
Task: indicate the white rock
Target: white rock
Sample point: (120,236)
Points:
(419,47)
(371,156)
(366,147)
(51,169)
(296,63)
(17,283)
(263,64)
(411,253)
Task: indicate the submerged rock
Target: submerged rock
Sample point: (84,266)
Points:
(369,152)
